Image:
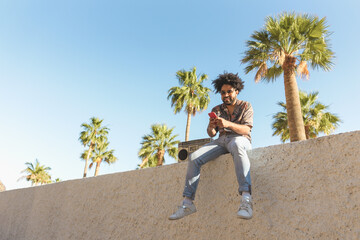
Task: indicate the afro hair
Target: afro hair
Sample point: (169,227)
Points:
(229,79)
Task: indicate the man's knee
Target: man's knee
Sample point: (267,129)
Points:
(193,156)
(237,147)
(203,154)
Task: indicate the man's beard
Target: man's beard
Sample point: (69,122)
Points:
(230,101)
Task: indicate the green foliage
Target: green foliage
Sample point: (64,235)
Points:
(2,187)
(316,120)
(101,153)
(92,132)
(92,135)
(85,154)
(302,36)
(190,93)
(36,174)
(152,161)
(159,141)
(57,180)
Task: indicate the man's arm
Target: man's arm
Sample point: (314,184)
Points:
(211,129)
(235,127)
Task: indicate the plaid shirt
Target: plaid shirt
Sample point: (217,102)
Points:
(243,114)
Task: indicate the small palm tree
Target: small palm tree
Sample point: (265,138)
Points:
(102,154)
(288,44)
(191,93)
(36,174)
(155,145)
(316,120)
(90,136)
(2,187)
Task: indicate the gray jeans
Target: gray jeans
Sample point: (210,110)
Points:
(236,145)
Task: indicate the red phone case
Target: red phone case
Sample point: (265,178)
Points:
(212,115)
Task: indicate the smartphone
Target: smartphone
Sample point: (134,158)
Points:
(212,115)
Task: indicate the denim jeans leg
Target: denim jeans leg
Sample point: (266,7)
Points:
(198,158)
(238,146)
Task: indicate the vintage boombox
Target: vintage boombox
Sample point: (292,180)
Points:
(185,148)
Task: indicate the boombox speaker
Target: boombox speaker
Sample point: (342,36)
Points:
(185,148)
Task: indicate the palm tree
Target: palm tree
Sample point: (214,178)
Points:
(151,161)
(87,154)
(37,174)
(191,93)
(2,187)
(90,136)
(316,120)
(287,43)
(102,154)
(155,145)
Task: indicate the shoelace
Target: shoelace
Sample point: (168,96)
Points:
(245,204)
(183,207)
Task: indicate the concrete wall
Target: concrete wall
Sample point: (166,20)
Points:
(305,190)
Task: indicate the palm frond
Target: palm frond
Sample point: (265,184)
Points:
(191,96)
(161,139)
(273,73)
(261,73)
(302,36)
(36,173)
(302,70)
(316,120)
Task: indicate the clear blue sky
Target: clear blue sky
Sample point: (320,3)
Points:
(62,62)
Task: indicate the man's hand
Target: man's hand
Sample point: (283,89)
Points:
(212,123)
(211,127)
(222,123)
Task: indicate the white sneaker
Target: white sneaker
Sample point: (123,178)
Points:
(245,210)
(183,211)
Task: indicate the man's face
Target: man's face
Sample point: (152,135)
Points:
(228,94)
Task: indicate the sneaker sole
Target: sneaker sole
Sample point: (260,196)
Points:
(243,217)
(170,218)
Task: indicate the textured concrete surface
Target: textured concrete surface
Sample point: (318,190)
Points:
(305,190)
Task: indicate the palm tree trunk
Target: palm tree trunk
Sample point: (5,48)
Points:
(188,127)
(160,154)
(144,162)
(86,161)
(97,168)
(293,107)
(307,132)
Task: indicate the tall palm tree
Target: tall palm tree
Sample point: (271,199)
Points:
(288,43)
(36,174)
(155,145)
(191,93)
(92,134)
(102,154)
(316,120)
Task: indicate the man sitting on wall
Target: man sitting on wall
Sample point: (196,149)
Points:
(233,120)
